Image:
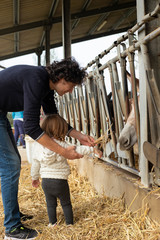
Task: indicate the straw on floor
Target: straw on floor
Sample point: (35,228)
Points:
(96,217)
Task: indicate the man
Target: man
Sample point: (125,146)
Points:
(27,88)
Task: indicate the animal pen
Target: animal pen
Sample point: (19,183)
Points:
(100,108)
(89,107)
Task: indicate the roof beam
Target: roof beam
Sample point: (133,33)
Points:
(89,37)
(51,21)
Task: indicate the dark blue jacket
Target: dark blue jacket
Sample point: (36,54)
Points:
(25,87)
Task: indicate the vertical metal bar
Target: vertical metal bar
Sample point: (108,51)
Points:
(38,53)
(104,108)
(91,98)
(143,164)
(114,100)
(47,44)
(116,80)
(134,91)
(16,7)
(153,118)
(124,82)
(66,28)
(83,110)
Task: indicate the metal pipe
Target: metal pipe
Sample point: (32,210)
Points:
(134,47)
(147,18)
(66,28)
(134,91)
(47,44)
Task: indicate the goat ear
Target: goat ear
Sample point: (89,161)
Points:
(152,153)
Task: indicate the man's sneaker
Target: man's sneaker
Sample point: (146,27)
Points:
(25,217)
(20,233)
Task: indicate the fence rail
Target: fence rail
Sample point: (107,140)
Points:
(95,110)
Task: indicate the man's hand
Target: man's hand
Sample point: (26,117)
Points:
(84,139)
(70,153)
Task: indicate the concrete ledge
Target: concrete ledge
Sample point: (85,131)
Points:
(115,182)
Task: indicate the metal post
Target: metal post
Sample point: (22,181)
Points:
(143,101)
(38,53)
(47,44)
(66,28)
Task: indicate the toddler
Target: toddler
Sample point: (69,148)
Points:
(54,169)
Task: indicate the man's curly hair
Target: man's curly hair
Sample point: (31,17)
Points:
(68,69)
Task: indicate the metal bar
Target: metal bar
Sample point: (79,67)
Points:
(147,66)
(116,80)
(66,28)
(75,104)
(91,97)
(16,5)
(125,167)
(144,20)
(134,47)
(114,101)
(134,90)
(47,44)
(104,108)
(38,53)
(59,44)
(55,20)
(83,110)
(143,162)
(124,81)
(153,88)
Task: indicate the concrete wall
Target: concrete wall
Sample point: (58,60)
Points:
(114,182)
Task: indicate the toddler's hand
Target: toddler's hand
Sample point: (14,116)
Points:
(98,152)
(35,183)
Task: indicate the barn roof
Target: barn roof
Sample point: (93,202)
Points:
(22,23)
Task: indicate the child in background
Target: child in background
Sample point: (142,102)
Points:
(54,169)
(19,133)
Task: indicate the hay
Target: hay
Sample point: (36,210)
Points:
(104,138)
(96,217)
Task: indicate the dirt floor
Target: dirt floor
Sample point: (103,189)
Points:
(95,217)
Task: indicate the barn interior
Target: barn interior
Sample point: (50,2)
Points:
(30,26)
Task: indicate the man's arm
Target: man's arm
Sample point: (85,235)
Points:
(68,153)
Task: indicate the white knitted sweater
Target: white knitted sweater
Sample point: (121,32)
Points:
(49,164)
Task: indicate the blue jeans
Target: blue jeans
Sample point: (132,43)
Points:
(19,131)
(10,165)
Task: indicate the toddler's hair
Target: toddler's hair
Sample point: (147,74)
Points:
(55,126)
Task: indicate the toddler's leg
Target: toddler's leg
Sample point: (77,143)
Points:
(50,199)
(66,203)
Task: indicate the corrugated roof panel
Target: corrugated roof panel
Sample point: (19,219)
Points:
(31,10)
(31,38)
(90,15)
(6,13)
